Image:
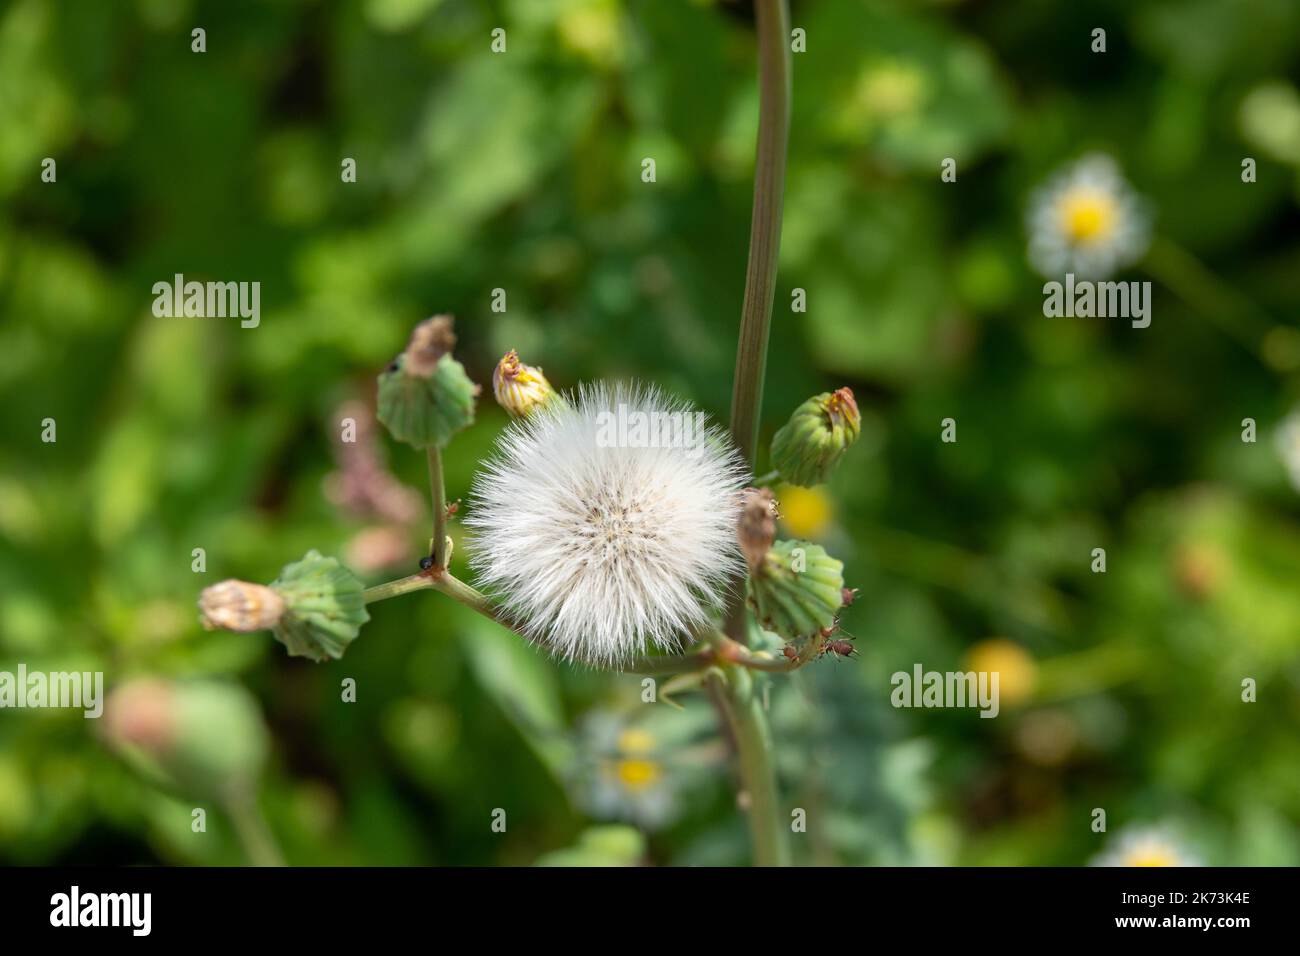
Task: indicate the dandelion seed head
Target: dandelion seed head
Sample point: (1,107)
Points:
(601,541)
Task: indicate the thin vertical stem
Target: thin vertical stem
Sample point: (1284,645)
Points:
(734,687)
(765,227)
(764,245)
(252,830)
(438,492)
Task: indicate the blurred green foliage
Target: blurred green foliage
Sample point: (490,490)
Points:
(521,171)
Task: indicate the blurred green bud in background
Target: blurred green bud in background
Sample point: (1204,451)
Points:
(202,738)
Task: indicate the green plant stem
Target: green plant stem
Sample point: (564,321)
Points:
(471,597)
(673,663)
(1219,303)
(392,589)
(734,687)
(252,830)
(476,600)
(438,492)
(765,226)
(445,583)
(773,18)
(766,479)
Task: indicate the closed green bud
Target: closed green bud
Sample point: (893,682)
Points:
(203,738)
(797,590)
(806,448)
(425,397)
(325,607)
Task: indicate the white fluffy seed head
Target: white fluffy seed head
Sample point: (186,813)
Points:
(607,522)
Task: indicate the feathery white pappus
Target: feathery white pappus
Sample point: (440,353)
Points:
(607,522)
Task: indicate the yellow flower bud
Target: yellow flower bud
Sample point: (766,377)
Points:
(520,388)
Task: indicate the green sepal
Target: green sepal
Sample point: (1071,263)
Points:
(325,607)
(797,605)
(426,412)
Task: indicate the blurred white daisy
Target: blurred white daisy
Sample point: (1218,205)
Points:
(1288,446)
(1145,846)
(1087,220)
(626,775)
(607,523)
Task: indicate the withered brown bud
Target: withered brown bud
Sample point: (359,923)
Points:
(757,525)
(848,596)
(430,341)
(240,606)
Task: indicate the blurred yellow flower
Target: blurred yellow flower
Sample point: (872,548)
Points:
(1017,672)
(889,89)
(634,770)
(805,512)
(637,774)
(1087,220)
(632,782)
(1087,214)
(592,31)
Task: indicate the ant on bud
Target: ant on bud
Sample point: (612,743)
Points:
(840,646)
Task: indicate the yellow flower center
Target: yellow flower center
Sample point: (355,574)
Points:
(637,774)
(1088,215)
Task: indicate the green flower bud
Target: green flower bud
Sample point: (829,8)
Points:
(797,590)
(425,397)
(205,738)
(806,448)
(325,607)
